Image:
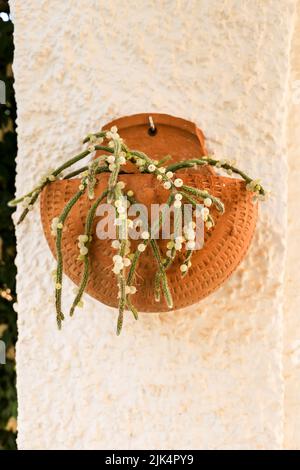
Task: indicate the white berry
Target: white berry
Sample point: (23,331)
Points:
(178,182)
(145,235)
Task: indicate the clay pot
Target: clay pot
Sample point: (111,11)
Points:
(225,245)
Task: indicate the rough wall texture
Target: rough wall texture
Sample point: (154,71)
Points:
(291,356)
(209,377)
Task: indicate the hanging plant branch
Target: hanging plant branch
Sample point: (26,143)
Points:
(57,228)
(162,272)
(253,185)
(84,242)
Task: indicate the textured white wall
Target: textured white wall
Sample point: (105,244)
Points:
(209,377)
(291,356)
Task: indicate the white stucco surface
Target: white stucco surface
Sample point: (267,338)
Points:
(291,357)
(209,377)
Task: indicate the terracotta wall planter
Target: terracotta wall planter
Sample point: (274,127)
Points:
(225,245)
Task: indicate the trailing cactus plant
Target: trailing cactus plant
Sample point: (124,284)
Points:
(115,155)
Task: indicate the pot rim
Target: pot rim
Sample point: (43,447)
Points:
(142,119)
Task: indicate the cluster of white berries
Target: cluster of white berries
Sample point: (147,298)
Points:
(112,133)
(221,163)
(177,243)
(174,244)
(116,246)
(55,225)
(94,140)
(82,240)
(255,187)
(27,202)
(112,160)
(48,177)
(120,263)
(204,213)
(121,205)
(168,184)
(129,290)
(113,136)
(190,235)
(161,173)
(190,244)
(140,164)
(177,202)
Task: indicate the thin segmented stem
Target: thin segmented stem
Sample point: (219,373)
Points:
(122,234)
(163,160)
(113,179)
(194,203)
(196,192)
(15,202)
(157,287)
(187,260)
(71,162)
(203,194)
(132,308)
(59,271)
(122,301)
(207,160)
(138,253)
(193,163)
(88,233)
(170,259)
(96,135)
(100,169)
(34,194)
(163,277)
(25,211)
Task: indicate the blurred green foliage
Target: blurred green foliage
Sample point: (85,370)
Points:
(8,149)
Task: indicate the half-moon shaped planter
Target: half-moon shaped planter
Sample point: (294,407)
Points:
(225,245)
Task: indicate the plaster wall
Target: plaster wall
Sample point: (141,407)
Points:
(291,356)
(209,377)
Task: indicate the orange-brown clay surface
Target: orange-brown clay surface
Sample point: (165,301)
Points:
(225,245)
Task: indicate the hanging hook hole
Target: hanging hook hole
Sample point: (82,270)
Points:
(152,129)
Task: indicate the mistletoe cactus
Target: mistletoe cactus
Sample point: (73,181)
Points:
(115,155)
